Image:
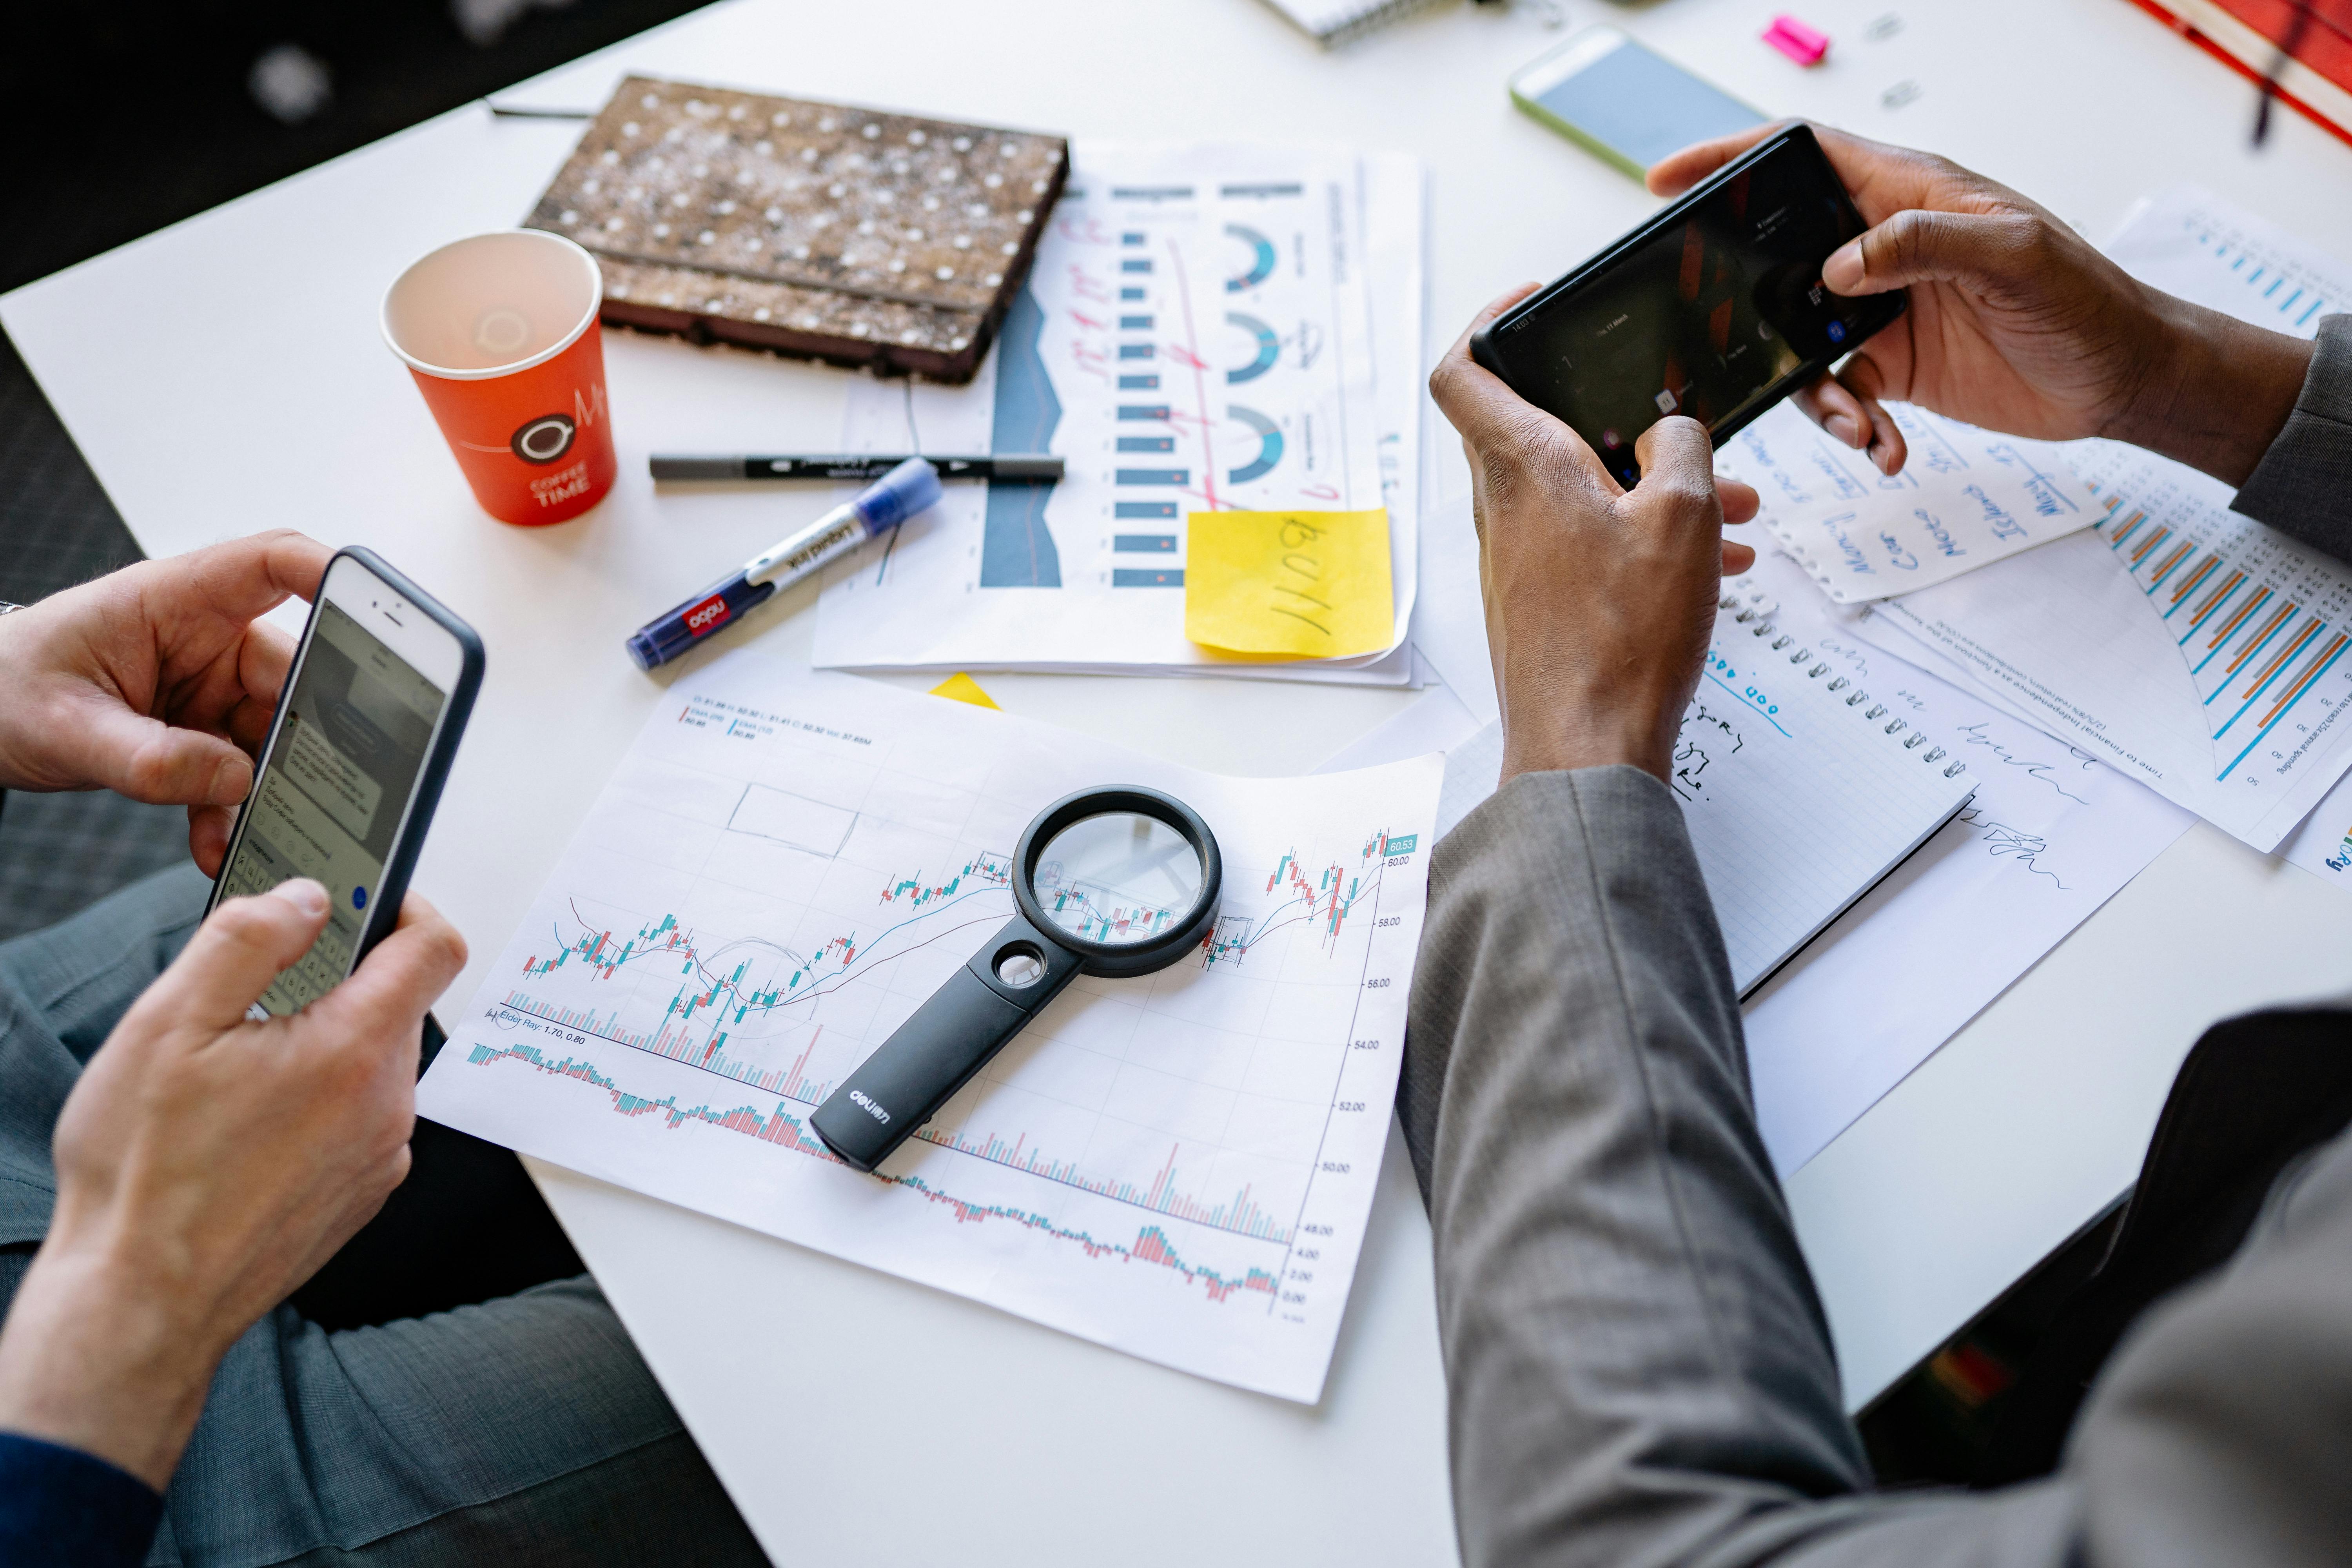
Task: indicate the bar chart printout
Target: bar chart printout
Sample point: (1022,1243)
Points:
(2193,650)
(2261,621)
(785,866)
(1198,336)
(2196,649)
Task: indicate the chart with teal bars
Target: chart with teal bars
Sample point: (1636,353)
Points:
(1180,1165)
(2193,650)
(2200,651)
(1206,328)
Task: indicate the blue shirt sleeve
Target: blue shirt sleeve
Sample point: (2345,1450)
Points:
(60,1508)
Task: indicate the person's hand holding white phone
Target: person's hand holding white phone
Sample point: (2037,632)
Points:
(252,1110)
(207,1164)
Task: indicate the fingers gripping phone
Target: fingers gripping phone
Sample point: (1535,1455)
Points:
(1607,93)
(382,684)
(1714,309)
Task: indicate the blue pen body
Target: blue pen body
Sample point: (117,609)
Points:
(889,500)
(666,636)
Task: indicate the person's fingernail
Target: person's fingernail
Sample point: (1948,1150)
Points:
(230,779)
(1843,426)
(302,893)
(1844,262)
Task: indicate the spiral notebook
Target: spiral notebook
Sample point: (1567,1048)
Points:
(1802,788)
(1332,22)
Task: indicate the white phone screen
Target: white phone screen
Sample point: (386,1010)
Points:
(1640,104)
(358,726)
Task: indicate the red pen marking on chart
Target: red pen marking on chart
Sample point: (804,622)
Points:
(1189,355)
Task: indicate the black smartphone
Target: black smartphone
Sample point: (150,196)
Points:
(382,684)
(1713,308)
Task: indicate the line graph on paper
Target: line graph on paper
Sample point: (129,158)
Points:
(1177,1164)
(2262,623)
(745,1008)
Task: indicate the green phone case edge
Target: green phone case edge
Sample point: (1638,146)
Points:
(1601,150)
(1592,145)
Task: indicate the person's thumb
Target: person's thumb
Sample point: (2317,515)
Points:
(1917,246)
(244,945)
(160,763)
(1678,472)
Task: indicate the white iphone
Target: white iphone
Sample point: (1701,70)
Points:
(381,687)
(1607,92)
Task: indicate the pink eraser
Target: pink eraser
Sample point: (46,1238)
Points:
(1798,42)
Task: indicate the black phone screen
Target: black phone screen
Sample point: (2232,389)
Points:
(358,726)
(1716,310)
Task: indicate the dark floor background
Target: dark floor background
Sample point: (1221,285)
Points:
(130,116)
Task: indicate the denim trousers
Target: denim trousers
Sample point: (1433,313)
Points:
(524,1430)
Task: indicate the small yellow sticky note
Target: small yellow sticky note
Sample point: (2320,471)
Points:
(962,688)
(1296,584)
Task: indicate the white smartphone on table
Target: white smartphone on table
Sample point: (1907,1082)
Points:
(378,692)
(1633,106)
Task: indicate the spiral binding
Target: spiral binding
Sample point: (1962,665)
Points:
(1755,611)
(1353,25)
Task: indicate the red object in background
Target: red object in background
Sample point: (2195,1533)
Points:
(2326,44)
(536,445)
(2247,35)
(499,332)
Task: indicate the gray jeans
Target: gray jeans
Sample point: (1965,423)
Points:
(521,1431)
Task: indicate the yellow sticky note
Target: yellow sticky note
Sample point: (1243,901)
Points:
(962,688)
(1294,584)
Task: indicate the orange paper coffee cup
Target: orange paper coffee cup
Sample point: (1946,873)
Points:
(501,332)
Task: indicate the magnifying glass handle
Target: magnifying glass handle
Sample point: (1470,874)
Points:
(935,1052)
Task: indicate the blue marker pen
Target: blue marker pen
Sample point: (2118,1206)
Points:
(912,487)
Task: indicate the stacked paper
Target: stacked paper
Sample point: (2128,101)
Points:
(1208,328)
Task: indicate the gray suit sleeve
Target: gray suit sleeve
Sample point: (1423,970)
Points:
(1637,1367)
(2302,486)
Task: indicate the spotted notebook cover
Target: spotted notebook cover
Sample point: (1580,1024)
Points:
(817,229)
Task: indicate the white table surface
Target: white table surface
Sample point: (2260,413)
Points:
(225,375)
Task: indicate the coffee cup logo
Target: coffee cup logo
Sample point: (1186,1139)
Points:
(545,440)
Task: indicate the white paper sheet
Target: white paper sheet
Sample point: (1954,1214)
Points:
(1199,332)
(1450,626)
(2189,242)
(1801,784)
(2323,845)
(1965,498)
(785,865)
(2052,835)
(1436,722)
(2202,653)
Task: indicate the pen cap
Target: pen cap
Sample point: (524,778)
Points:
(910,487)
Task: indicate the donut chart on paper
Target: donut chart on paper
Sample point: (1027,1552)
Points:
(1268,346)
(1261,262)
(1269,445)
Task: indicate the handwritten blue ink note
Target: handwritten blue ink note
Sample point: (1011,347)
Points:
(1965,498)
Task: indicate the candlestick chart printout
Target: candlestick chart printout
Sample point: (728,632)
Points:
(785,866)
(1198,334)
(2202,653)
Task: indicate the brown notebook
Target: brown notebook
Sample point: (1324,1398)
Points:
(817,230)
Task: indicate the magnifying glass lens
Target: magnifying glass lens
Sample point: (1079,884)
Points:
(1118,876)
(1111,882)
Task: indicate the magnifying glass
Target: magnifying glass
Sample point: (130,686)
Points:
(1107,881)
